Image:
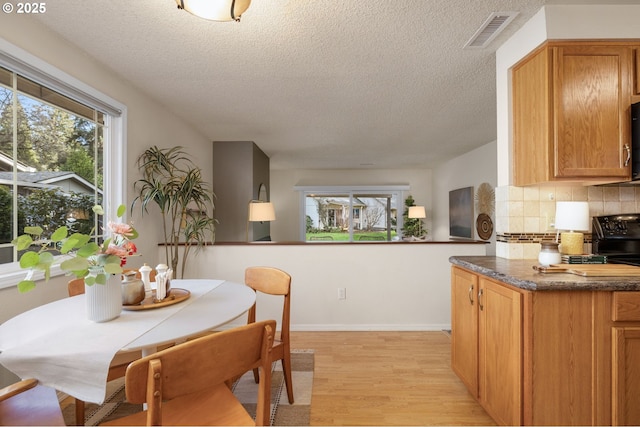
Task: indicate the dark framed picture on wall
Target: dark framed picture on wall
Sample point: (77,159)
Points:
(461,213)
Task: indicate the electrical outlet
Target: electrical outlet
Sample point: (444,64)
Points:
(342,293)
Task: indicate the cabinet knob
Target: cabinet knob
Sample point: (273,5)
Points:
(480,292)
(471,294)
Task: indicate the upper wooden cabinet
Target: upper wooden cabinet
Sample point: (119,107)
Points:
(636,74)
(571,113)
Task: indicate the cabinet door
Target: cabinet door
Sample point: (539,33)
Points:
(636,74)
(531,119)
(464,327)
(591,95)
(500,356)
(626,376)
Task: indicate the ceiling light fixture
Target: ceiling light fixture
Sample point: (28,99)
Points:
(215,10)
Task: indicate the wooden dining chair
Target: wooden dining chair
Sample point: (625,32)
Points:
(186,384)
(273,281)
(119,363)
(27,403)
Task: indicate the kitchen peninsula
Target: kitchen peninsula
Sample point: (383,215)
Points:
(541,349)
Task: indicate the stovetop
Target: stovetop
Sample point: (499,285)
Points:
(618,237)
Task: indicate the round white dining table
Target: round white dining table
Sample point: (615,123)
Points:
(57,345)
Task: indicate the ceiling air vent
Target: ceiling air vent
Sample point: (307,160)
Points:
(489,30)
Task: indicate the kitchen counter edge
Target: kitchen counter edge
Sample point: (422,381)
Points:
(520,273)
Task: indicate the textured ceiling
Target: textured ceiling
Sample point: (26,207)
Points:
(323,84)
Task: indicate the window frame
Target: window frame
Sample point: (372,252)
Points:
(114,137)
(350,191)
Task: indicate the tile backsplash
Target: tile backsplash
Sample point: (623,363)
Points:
(524,215)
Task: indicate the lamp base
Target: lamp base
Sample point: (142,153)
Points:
(571,243)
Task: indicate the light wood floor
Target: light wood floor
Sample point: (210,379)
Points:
(386,378)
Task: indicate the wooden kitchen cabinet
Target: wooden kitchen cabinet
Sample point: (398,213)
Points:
(500,352)
(566,357)
(571,113)
(636,75)
(464,325)
(626,358)
(486,343)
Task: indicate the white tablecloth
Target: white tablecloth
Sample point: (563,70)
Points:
(56,344)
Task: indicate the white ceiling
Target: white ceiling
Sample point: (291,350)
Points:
(322,84)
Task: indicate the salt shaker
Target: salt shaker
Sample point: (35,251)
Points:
(145,272)
(161,290)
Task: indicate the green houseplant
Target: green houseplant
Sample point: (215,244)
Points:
(172,182)
(411,227)
(81,253)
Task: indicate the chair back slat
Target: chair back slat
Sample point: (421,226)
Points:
(196,365)
(268,280)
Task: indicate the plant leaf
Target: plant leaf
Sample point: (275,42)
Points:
(26,285)
(46,258)
(89,249)
(74,264)
(29,259)
(59,234)
(22,242)
(34,231)
(97,209)
(89,280)
(113,268)
(113,259)
(121,210)
(101,279)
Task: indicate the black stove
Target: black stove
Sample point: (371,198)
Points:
(617,237)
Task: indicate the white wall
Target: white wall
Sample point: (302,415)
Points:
(470,169)
(148,124)
(286,227)
(389,286)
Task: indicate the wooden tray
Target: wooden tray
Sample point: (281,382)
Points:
(591,270)
(176,295)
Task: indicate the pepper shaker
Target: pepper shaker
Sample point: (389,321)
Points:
(163,269)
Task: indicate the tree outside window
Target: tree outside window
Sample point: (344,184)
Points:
(51,170)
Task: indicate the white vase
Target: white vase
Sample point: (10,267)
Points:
(104,302)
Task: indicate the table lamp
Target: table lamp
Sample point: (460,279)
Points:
(417,212)
(260,211)
(572,218)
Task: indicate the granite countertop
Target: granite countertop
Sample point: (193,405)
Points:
(520,273)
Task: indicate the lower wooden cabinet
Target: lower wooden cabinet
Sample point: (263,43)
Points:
(567,357)
(464,325)
(500,352)
(487,344)
(626,376)
(625,358)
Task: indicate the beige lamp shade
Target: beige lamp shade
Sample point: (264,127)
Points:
(215,10)
(571,219)
(261,211)
(417,212)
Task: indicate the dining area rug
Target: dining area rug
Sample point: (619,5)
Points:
(282,413)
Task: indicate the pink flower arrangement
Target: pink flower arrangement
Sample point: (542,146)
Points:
(120,244)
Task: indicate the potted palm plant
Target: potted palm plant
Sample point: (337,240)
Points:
(173,182)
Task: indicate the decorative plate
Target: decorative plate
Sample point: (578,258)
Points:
(484,226)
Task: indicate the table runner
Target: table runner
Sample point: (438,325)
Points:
(56,344)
